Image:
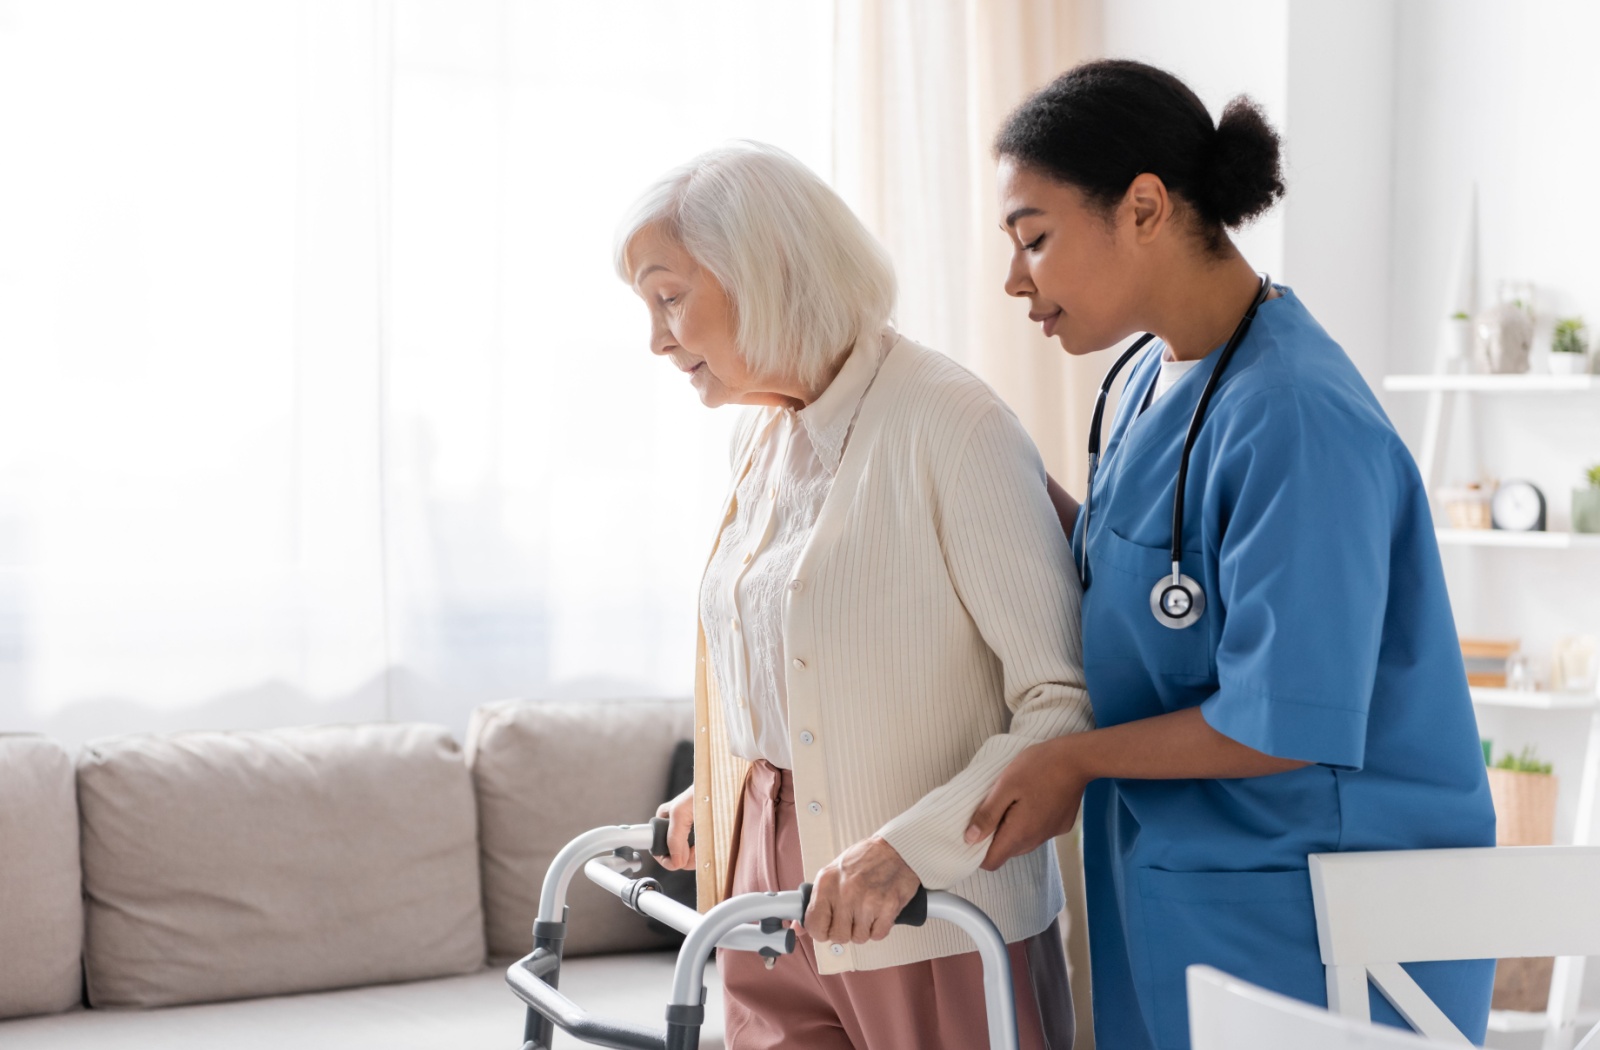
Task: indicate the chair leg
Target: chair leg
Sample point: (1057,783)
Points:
(1347,992)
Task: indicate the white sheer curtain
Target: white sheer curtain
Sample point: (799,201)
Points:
(318,399)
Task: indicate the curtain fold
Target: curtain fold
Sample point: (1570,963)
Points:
(920,89)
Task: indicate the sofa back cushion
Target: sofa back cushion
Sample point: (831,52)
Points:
(544,772)
(41,896)
(230,865)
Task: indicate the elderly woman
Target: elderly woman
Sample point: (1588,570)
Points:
(888,616)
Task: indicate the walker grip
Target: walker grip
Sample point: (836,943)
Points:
(915,913)
(659,827)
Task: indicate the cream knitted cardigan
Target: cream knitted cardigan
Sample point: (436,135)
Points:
(931,633)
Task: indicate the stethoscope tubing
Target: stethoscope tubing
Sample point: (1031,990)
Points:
(1177,580)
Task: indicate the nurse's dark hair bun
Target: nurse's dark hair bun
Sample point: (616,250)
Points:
(1101,124)
(1247,167)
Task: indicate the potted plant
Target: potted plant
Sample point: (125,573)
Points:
(1569,353)
(1586,504)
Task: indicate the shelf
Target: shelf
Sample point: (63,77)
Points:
(1531,1021)
(1523,383)
(1526,540)
(1541,700)
(1518,1021)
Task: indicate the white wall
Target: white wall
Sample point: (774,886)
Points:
(1220,50)
(1339,136)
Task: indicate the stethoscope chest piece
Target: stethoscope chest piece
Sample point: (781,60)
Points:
(1177,601)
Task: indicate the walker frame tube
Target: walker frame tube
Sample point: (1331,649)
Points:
(747,922)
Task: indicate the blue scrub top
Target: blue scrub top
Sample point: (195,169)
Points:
(1327,638)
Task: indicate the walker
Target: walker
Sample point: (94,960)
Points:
(751,922)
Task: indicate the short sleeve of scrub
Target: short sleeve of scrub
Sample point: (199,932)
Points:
(1305,499)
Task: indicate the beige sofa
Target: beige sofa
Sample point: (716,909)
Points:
(326,887)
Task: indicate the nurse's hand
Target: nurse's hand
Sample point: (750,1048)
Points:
(1036,798)
(679,814)
(856,898)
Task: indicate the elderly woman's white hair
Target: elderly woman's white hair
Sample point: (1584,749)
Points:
(805,278)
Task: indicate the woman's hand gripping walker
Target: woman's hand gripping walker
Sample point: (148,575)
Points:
(748,922)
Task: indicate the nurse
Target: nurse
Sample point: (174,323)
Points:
(1293,684)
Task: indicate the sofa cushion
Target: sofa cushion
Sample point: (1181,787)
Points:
(544,772)
(41,896)
(475,1012)
(228,865)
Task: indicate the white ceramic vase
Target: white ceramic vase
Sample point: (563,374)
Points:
(1456,346)
(1504,336)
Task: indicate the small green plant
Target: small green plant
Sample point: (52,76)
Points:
(1568,337)
(1460,315)
(1593,474)
(1525,762)
(1488,748)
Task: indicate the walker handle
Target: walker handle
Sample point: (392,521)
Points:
(915,913)
(658,844)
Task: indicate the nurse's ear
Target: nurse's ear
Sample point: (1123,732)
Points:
(1146,207)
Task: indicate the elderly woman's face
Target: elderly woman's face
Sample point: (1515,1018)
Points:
(691,320)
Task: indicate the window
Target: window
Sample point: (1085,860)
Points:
(319,398)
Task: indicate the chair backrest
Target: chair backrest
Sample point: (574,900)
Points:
(1226,1013)
(1378,910)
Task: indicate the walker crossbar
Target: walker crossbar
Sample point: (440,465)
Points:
(747,922)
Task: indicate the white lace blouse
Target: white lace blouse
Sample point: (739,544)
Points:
(742,594)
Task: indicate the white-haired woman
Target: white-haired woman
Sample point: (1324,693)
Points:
(888,616)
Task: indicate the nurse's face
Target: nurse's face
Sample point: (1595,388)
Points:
(1078,267)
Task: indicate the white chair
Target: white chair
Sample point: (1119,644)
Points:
(1226,1013)
(1378,910)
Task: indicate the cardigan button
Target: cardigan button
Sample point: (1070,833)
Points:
(799,664)
(794,585)
(806,737)
(838,949)
(815,808)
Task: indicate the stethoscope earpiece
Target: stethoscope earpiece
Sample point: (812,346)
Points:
(1176,600)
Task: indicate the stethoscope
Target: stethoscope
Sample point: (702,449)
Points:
(1176,601)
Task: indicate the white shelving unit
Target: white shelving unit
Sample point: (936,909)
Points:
(1443,390)
(1525,383)
(1552,541)
(1535,700)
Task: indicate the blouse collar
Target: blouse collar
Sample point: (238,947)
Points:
(829,418)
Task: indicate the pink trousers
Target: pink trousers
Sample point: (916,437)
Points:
(920,1006)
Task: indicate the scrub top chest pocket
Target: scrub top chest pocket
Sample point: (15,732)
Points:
(1117,625)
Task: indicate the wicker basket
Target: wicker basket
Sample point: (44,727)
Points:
(1524,807)
(1525,815)
(1522,984)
